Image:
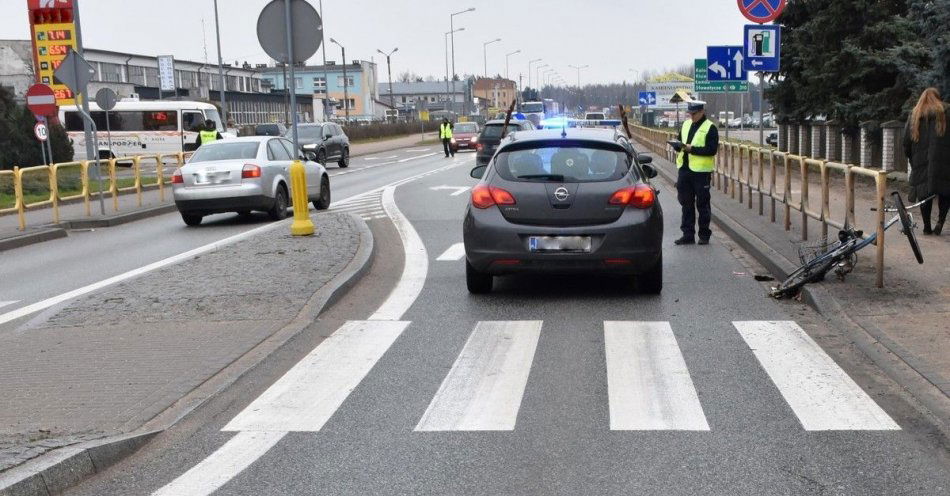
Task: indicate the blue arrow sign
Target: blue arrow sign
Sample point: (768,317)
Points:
(725,63)
(763,44)
(647,98)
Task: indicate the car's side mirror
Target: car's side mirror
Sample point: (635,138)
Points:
(311,156)
(643,158)
(649,171)
(478,172)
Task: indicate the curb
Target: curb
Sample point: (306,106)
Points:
(419,143)
(56,471)
(868,340)
(39,235)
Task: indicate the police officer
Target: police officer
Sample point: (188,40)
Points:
(699,140)
(445,133)
(208,134)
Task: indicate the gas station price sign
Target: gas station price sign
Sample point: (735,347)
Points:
(53,32)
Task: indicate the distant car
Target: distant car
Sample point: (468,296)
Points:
(244,175)
(578,204)
(490,137)
(594,116)
(464,136)
(326,140)
(772,139)
(270,130)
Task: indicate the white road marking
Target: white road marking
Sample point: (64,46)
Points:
(453,253)
(8,303)
(456,190)
(229,460)
(415,266)
(822,395)
(483,390)
(310,392)
(414,150)
(648,384)
(415,157)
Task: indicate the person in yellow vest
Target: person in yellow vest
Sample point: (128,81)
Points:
(699,141)
(445,134)
(208,134)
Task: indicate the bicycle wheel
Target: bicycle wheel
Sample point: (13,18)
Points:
(907,227)
(808,273)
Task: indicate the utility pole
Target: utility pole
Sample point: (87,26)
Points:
(326,74)
(578,73)
(529,70)
(389,71)
(449,96)
(346,85)
(224,102)
(507,55)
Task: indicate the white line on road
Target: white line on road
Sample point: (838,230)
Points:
(414,150)
(215,471)
(8,303)
(415,266)
(822,395)
(483,390)
(310,392)
(648,384)
(453,253)
(415,157)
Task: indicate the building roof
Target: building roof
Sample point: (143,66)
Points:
(356,64)
(420,88)
(483,84)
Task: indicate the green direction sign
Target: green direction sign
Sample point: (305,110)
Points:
(704,85)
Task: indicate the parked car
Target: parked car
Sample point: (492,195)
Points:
(464,136)
(244,175)
(270,129)
(578,204)
(326,140)
(772,139)
(490,137)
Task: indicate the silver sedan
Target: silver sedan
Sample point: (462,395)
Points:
(244,175)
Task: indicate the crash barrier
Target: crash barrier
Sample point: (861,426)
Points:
(62,180)
(744,171)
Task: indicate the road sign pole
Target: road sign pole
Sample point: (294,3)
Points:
(43,151)
(88,127)
(49,147)
(761,108)
(293,80)
(109,132)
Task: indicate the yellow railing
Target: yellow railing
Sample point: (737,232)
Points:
(88,190)
(743,171)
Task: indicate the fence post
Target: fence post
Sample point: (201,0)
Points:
(804,203)
(740,169)
(18,196)
(825,199)
(772,182)
(881,182)
(749,175)
(114,185)
(760,183)
(138,179)
(849,196)
(788,191)
(84,178)
(54,192)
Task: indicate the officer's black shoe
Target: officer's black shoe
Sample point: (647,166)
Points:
(704,241)
(684,241)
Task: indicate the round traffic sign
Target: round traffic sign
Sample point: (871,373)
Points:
(761,11)
(41,100)
(272,30)
(41,131)
(106,99)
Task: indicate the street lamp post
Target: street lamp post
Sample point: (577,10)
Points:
(389,71)
(485,53)
(578,67)
(538,75)
(326,74)
(529,70)
(452,34)
(224,103)
(448,96)
(346,92)
(508,55)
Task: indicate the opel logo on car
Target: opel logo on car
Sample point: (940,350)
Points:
(561,194)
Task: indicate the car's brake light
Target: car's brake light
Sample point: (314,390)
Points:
(484,196)
(250,171)
(177,177)
(639,196)
(479,146)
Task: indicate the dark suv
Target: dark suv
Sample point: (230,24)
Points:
(490,137)
(274,129)
(326,140)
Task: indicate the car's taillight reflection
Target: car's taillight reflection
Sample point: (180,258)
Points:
(484,196)
(639,196)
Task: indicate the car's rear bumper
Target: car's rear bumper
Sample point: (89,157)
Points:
(229,204)
(630,245)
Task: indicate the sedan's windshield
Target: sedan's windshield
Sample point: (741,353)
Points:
(562,164)
(225,151)
(466,127)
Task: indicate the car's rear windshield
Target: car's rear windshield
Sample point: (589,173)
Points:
(225,151)
(306,132)
(494,130)
(562,164)
(467,127)
(595,117)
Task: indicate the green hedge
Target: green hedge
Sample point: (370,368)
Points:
(18,146)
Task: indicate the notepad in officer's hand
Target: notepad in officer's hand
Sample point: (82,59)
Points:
(676,144)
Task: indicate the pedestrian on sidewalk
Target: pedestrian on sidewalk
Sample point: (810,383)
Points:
(695,159)
(927,146)
(445,133)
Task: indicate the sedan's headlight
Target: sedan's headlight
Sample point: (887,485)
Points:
(453,141)
(474,139)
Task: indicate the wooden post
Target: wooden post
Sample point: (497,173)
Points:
(881,182)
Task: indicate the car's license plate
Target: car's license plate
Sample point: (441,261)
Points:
(559,243)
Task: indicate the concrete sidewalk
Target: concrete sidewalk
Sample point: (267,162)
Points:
(137,356)
(910,316)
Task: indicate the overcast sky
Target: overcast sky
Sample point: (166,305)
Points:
(612,36)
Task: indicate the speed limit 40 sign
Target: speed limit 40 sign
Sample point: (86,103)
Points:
(41,131)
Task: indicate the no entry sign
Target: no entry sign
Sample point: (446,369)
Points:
(41,100)
(761,11)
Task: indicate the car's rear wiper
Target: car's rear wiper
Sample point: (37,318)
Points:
(551,177)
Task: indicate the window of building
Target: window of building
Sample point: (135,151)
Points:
(110,72)
(298,83)
(319,84)
(352,103)
(349,81)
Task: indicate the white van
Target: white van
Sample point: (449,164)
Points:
(141,128)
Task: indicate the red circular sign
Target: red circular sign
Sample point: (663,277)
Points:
(41,100)
(761,11)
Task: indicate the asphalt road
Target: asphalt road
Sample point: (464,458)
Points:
(46,270)
(568,385)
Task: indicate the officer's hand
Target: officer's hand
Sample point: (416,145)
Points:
(689,148)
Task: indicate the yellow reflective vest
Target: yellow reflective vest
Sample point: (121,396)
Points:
(208,136)
(697,163)
(445,131)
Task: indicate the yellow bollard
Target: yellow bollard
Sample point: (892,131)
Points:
(302,225)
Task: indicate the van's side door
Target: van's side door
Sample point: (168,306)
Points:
(191,123)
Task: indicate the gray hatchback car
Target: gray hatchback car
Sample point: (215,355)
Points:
(564,201)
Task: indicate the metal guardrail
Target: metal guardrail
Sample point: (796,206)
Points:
(86,193)
(735,175)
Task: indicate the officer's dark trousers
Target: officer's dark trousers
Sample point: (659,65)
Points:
(692,189)
(447,146)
